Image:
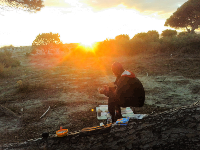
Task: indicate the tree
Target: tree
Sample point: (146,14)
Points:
(182,34)
(151,36)
(122,37)
(46,40)
(142,35)
(28,5)
(168,33)
(187,16)
(153,33)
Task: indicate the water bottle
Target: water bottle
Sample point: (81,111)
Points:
(109,118)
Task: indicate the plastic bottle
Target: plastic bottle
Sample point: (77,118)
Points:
(109,118)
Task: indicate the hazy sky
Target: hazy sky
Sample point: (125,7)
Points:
(85,21)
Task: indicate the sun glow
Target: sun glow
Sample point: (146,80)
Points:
(87,43)
(88,46)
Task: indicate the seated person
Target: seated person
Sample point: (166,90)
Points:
(129,91)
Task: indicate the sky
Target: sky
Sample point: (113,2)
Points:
(85,21)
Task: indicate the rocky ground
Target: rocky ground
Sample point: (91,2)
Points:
(70,89)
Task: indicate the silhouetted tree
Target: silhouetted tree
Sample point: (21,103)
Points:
(28,5)
(168,33)
(45,40)
(187,16)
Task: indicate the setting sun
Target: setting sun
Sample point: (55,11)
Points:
(87,43)
(88,46)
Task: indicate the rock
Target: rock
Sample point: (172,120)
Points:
(175,129)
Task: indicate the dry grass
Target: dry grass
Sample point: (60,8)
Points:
(46,79)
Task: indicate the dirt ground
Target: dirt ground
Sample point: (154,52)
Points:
(69,87)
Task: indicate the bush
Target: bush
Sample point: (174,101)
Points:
(7,60)
(4,72)
(149,42)
(138,45)
(2,66)
(26,86)
(28,54)
(168,33)
(182,34)
(188,42)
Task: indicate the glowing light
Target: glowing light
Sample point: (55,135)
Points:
(87,43)
(88,46)
(92,109)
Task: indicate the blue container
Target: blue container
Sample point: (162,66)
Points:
(122,121)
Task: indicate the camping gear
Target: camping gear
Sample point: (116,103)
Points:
(122,121)
(61,132)
(103,109)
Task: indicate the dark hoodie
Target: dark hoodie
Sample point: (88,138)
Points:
(129,91)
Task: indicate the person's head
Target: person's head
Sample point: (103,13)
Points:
(117,69)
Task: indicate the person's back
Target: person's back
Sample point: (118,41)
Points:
(130,91)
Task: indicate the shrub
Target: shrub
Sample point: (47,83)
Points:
(1,68)
(7,60)
(4,72)
(182,34)
(138,45)
(168,33)
(26,86)
(28,54)
(190,43)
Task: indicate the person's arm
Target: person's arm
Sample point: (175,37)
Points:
(121,83)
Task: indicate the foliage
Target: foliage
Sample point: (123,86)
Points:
(122,37)
(142,35)
(169,43)
(137,45)
(182,34)
(7,60)
(188,42)
(153,35)
(145,43)
(28,5)
(2,66)
(187,16)
(106,48)
(26,86)
(7,47)
(45,41)
(168,33)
